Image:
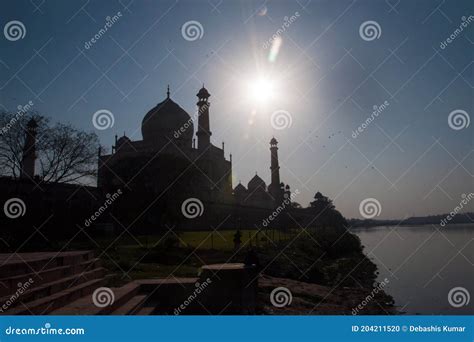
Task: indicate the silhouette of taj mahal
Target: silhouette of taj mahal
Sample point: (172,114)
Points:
(171,164)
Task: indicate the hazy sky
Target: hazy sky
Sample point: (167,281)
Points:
(325,76)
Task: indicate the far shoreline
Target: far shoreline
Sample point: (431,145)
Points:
(420,225)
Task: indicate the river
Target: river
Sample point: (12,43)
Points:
(423,264)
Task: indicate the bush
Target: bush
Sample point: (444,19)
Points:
(337,241)
(326,255)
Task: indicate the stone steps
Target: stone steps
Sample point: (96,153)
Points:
(38,283)
(46,305)
(133,305)
(12,284)
(53,287)
(65,284)
(135,298)
(85,305)
(25,263)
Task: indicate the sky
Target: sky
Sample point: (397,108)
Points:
(412,158)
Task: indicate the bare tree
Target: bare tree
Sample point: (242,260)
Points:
(64,154)
(12,140)
(68,154)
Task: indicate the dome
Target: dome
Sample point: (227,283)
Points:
(167,120)
(256,182)
(123,140)
(240,188)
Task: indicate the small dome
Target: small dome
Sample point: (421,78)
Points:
(123,140)
(240,188)
(123,143)
(256,182)
(273,141)
(203,93)
(167,121)
(318,195)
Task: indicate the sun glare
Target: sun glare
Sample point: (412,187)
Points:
(261,90)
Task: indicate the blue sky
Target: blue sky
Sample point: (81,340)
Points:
(325,76)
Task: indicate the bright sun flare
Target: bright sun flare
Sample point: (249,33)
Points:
(261,90)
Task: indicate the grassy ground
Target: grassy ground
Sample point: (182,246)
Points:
(202,240)
(309,256)
(180,254)
(224,240)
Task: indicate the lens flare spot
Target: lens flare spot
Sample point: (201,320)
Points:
(275,49)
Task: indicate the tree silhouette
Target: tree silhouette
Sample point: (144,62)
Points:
(321,202)
(326,212)
(64,154)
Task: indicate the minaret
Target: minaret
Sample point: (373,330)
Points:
(274,167)
(29,151)
(274,187)
(204,132)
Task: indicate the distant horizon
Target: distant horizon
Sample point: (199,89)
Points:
(411,217)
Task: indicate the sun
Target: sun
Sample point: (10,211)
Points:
(261,90)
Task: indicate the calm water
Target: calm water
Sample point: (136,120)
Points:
(423,264)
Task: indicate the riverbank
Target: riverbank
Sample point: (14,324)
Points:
(327,272)
(314,299)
